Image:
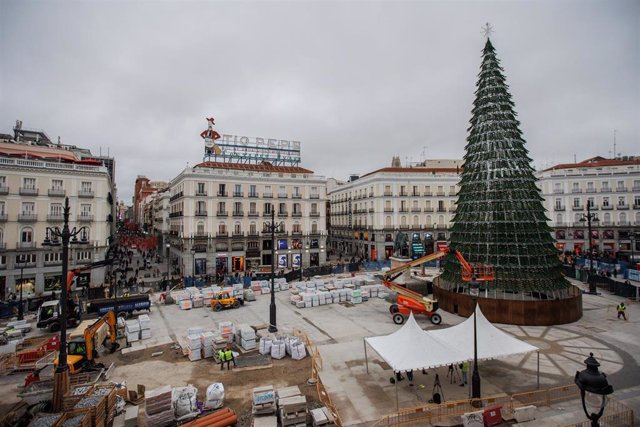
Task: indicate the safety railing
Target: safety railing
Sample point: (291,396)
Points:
(615,415)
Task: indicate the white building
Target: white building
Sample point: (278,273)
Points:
(35,177)
(218,211)
(611,190)
(367,212)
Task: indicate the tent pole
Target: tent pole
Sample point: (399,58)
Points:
(538,368)
(366,360)
(397,405)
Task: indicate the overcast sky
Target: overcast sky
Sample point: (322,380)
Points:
(356,82)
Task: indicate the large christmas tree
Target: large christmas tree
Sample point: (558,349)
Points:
(500,219)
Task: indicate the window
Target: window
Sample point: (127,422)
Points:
(1,208)
(55,209)
(636,200)
(440,205)
(52,257)
(26,235)
(440,189)
(576,202)
(85,186)
(282,208)
(296,191)
(85,210)
(3,181)
(222,228)
(296,228)
(267,208)
(29,183)
(252,207)
(607,218)
(589,186)
(557,187)
(200,228)
(452,189)
(622,200)
(314,228)
(576,187)
(222,207)
(620,185)
(200,189)
(237,228)
(237,207)
(605,201)
(605,185)
(282,191)
(296,208)
(237,190)
(83,255)
(314,208)
(387,190)
(591,202)
(558,203)
(201,207)
(28,208)
(56,184)
(252,228)
(314,192)
(559,219)
(221,190)
(252,191)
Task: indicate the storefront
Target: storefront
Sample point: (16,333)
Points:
(52,281)
(441,246)
(283,261)
(237,263)
(200,266)
(314,259)
(221,264)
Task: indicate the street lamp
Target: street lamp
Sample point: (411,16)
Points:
(632,237)
(193,255)
(22,261)
(302,247)
(474,288)
(61,378)
(272,227)
(594,389)
(589,218)
(168,267)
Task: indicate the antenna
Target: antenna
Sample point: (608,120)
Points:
(614,142)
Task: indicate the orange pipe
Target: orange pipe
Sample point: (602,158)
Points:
(220,418)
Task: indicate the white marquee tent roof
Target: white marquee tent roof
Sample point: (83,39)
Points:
(411,348)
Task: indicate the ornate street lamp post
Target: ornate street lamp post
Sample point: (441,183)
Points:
(168,267)
(632,237)
(589,218)
(273,227)
(61,377)
(22,261)
(594,389)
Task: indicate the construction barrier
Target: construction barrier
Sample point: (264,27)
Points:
(615,415)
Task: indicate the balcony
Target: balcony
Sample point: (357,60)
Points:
(84,217)
(266,214)
(27,217)
(559,208)
(222,214)
(282,195)
(558,191)
(621,189)
(3,217)
(442,209)
(371,194)
(175,214)
(314,214)
(201,194)
(591,190)
(238,194)
(253,195)
(403,210)
(388,210)
(283,214)
(26,245)
(428,209)
(606,207)
(577,208)
(253,214)
(237,235)
(86,194)
(635,189)
(253,233)
(388,194)
(576,191)
(314,196)
(201,213)
(404,194)
(428,194)
(56,192)
(452,210)
(222,234)
(296,214)
(28,191)
(267,195)
(223,194)
(440,193)
(622,207)
(4,190)
(296,196)
(238,213)
(624,223)
(636,207)
(371,210)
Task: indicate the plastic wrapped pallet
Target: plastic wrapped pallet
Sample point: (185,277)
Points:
(278,349)
(265,345)
(206,342)
(294,299)
(132,326)
(186,304)
(184,402)
(197,302)
(284,286)
(145,321)
(249,344)
(214,398)
(145,334)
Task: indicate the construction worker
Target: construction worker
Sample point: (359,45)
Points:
(621,311)
(464,368)
(228,355)
(222,357)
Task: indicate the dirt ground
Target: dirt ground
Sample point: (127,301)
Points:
(171,367)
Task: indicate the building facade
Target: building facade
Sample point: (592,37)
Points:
(35,177)
(218,213)
(611,190)
(368,212)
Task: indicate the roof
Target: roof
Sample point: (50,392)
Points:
(262,167)
(415,170)
(597,162)
(37,152)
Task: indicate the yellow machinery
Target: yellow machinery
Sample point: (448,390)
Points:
(81,349)
(224,300)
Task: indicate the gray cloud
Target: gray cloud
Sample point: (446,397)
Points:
(356,82)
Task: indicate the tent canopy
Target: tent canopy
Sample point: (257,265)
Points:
(411,348)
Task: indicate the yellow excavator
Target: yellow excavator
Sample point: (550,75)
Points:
(81,349)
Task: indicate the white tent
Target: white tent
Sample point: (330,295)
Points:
(411,348)
(492,342)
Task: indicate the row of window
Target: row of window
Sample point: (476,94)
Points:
(404,206)
(222,228)
(591,186)
(201,189)
(55,209)
(27,235)
(591,201)
(404,190)
(605,218)
(49,258)
(56,184)
(201,208)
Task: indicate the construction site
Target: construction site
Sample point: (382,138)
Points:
(352,349)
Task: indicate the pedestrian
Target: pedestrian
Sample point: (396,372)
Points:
(464,368)
(222,358)
(410,377)
(621,310)
(399,376)
(615,273)
(228,355)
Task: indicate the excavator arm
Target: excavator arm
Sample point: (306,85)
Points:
(90,333)
(392,274)
(72,274)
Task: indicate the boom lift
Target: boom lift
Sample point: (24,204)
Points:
(411,301)
(81,350)
(49,312)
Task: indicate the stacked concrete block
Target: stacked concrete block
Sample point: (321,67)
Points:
(292,411)
(158,410)
(145,326)
(132,330)
(227,330)
(263,400)
(246,337)
(322,417)
(194,347)
(206,342)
